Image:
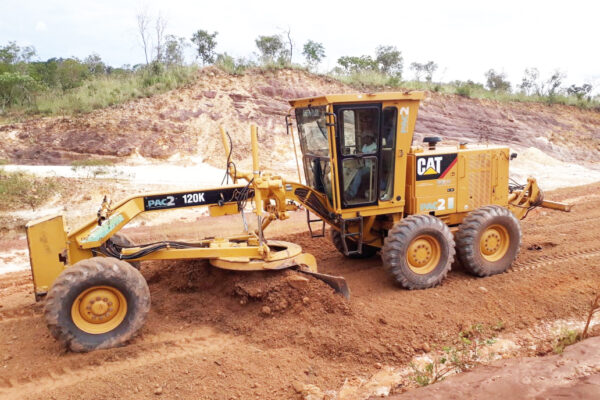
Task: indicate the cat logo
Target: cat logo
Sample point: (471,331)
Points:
(429,165)
(434,167)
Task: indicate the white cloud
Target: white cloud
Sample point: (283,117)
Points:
(40,26)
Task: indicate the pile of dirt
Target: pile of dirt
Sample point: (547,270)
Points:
(268,293)
(185,122)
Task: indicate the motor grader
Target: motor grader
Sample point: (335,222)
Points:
(417,206)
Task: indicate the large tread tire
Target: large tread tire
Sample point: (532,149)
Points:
(123,240)
(469,234)
(96,271)
(336,239)
(396,245)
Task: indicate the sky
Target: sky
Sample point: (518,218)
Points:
(465,38)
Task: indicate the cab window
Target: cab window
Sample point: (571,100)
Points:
(360,131)
(359,162)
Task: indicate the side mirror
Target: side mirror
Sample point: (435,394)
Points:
(513,156)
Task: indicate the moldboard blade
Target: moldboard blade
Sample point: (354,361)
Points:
(336,282)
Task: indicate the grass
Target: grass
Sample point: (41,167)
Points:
(566,338)
(372,80)
(375,80)
(104,91)
(97,162)
(453,359)
(19,188)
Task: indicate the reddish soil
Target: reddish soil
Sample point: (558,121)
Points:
(186,121)
(211,335)
(575,374)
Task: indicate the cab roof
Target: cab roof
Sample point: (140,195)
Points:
(357,98)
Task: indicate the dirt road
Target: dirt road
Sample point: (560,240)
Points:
(221,335)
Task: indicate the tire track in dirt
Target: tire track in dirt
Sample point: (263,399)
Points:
(165,346)
(553,259)
(545,227)
(16,314)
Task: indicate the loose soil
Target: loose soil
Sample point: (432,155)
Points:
(214,334)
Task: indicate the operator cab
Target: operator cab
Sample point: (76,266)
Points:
(349,146)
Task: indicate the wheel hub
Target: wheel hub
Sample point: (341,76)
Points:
(99,309)
(423,254)
(494,242)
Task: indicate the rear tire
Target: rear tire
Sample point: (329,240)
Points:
(418,251)
(488,240)
(336,239)
(97,303)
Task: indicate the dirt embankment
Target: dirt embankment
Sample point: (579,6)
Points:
(222,335)
(186,121)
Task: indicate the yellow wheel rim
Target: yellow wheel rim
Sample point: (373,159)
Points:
(99,309)
(494,243)
(423,254)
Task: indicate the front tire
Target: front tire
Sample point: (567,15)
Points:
(418,251)
(488,240)
(97,303)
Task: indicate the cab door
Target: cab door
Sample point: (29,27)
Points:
(358,151)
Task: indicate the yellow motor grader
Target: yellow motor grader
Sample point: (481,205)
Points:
(364,178)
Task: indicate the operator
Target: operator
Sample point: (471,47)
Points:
(369,146)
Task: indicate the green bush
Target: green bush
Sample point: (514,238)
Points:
(18,189)
(17,89)
(232,65)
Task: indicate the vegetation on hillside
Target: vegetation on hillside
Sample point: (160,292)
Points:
(71,85)
(18,189)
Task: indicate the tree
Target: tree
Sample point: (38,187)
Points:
(554,82)
(580,91)
(313,53)
(271,48)
(174,50)
(426,69)
(143,24)
(71,73)
(12,54)
(389,60)
(497,81)
(205,45)
(529,83)
(351,64)
(16,88)
(160,25)
(430,68)
(9,54)
(288,34)
(95,64)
